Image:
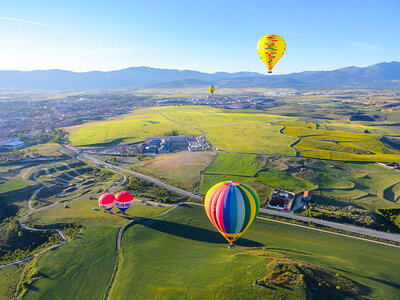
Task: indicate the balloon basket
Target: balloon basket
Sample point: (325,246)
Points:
(231,246)
(269,71)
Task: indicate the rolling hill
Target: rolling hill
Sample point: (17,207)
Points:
(382,75)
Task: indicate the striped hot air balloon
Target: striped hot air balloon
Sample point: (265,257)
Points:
(123,200)
(231,206)
(106,201)
(270,48)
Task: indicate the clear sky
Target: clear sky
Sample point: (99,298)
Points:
(208,36)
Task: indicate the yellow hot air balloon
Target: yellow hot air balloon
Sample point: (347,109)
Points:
(211,89)
(270,48)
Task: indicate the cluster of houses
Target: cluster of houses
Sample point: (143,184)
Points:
(165,144)
(284,200)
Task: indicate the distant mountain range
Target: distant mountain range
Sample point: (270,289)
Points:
(382,75)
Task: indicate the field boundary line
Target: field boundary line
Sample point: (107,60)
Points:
(120,257)
(327,231)
(306,227)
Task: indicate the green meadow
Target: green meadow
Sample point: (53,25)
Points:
(234,164)
(79,270)
(243,131)
(9,184)
(226,130)
(364,184)
(176,255)
(254,170)
(180,255)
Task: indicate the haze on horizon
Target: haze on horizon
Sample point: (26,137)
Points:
(207,36)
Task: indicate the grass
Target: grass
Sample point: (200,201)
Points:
(49,149)
(126,130)
(365,184)
(226,130)
(180,255)
(79,270)
(234,164)
(9,184)
(244,131)
(339,145)
(9,278)
(81,212)
(178,169)
(271,178)
(258,171)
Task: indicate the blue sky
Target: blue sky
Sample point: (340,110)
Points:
(208,36)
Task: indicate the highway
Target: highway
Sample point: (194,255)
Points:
(351,228)
(141,176)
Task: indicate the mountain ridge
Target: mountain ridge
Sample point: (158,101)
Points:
(381,75)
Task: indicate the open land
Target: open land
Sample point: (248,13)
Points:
(173,256)
(162,251)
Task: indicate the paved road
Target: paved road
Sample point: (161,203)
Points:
(144,177)
(351,228)
(65,240)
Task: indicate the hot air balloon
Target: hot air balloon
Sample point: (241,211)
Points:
(231,206)
(270,48)
(106,201)
(211,89)
(123,200)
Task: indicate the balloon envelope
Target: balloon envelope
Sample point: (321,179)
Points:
(211,89)
(106,201)
(123,200)
(270,48)
(231,206)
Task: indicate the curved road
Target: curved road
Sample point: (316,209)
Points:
(350,228)
(65,240)
(144,177)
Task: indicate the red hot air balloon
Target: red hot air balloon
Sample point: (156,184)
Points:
(106,201)
(123,200)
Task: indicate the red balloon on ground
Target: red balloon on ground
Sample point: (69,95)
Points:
(123,200)
(106,201)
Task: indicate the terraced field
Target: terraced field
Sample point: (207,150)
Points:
(254,170)
(365,184)
(339,145)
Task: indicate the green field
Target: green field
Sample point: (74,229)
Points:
(272,178)
(7,185)
(81,212)
(365,184)
(262,174)
(49,149)
(9,278)
(179,255)
(226,130)
(244,131)
(339,145)
(79,270)
(234,164)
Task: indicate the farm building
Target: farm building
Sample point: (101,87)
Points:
(307,195)
(281,199)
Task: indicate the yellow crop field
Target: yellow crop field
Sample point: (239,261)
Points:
(242,131)
(339,145)
(225,129)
